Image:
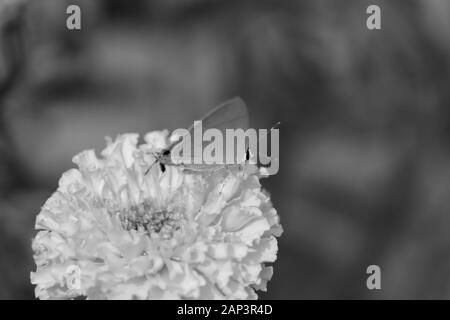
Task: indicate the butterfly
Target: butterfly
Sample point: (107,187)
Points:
(232,114)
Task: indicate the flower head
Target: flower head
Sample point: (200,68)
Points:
(168,234)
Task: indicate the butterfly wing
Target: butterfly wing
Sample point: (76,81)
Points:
(232,114)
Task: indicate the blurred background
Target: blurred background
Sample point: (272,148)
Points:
(365,155)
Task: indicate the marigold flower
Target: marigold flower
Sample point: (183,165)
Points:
(162,235)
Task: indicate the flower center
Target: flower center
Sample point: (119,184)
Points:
(162,223)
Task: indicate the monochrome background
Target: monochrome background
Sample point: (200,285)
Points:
(365,122)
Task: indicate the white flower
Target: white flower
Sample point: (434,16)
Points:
(161,235)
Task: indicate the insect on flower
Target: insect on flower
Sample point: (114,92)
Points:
(230,115)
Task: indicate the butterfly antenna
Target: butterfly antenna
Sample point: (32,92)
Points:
(148,170)
(151,166)
(276,125)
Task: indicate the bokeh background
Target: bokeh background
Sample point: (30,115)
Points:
(365,156)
